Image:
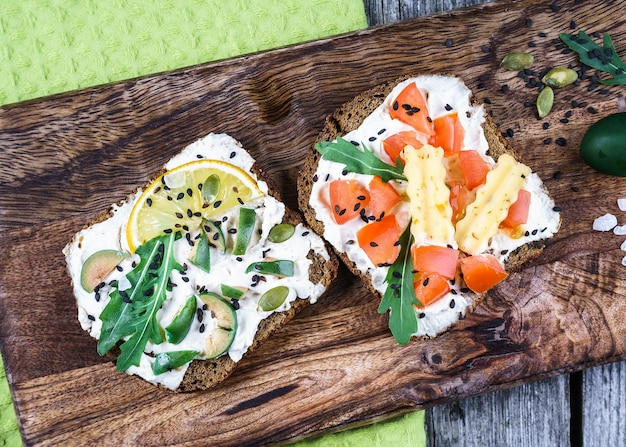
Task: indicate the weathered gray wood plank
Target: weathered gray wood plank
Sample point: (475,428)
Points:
(529,415)
(604,405)
(526,416)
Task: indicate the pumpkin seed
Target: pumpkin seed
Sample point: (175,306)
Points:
(273,298)
(560,77)
(517,60)
(281,232)
(545,101)
(211,188)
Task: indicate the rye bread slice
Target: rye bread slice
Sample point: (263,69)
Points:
(204,374)
(349,117)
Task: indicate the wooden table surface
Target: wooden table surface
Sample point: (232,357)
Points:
(586,408)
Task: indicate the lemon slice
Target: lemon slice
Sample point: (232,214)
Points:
(179,199)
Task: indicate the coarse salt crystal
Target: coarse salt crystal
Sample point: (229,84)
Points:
(605,223)
(621,203)
(623,246)
(624,261)
(620,230)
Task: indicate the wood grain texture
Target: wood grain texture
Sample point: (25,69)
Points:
(68,157)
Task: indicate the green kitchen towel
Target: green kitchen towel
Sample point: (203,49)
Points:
(52,46)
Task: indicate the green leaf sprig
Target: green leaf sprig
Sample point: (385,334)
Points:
(132,312)
(359,161)
(399,297)
(603,58)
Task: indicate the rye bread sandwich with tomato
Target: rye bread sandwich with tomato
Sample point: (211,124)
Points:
(420,195)
(191,272)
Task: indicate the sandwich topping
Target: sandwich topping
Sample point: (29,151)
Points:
(414,199)
(187,268)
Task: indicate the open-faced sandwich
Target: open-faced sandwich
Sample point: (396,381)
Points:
(192,271)
(420,195)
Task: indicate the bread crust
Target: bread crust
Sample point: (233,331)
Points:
(349,117)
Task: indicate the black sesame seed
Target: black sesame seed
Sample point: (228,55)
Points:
(487,101)
(169,198)
(167,231)
(532,44)
(180,196)
(232,154)
(230,230)
(305,233)
(342,212)
(189,192)
(453,291)
(381,131)
(448,43)
(534,232)
(542,34)
(485,49)
(350,242)
(239,258)
(592,110)
(448,107)
(568,114)
(481,85)
(561,141)
(425,283)
(546,125)
(452,303)
(397,275)
(372,138)
(529,22)
(510,133)
(91,317)
(149,201)
(564,120)
(557,175)
(185,278)
(119,268)
(344,172)
(217,204)
(373,244)
(395,105)
(421,315)
(557,208)
(201,328)
(555,7)
(547,141)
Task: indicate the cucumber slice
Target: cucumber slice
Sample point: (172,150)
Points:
(214,235)
(98,266)
(220,339)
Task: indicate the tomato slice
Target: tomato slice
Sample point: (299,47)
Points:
(459,199)
(474,168)
(394,144)
(482,272)
(518,211)
(430,287)
(435,259)
(410,108)
(383,197)
(379,240)
(347,198)
(449,133)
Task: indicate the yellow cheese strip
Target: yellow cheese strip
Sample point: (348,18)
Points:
(431,213)
(493,199)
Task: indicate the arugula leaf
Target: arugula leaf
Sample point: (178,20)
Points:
(359,161)
(400,297)
(135,314)
(603,58)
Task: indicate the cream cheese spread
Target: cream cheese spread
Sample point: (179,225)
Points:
(225,267)
(442,94)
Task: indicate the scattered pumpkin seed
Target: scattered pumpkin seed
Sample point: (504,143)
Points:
(560,77)
(545,101)
(281,232)
(517,60)
(211,188)
(273,298)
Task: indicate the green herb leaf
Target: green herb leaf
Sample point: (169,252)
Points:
(359,161)
(135,316)
(400,297)
(603,58)
(165,361)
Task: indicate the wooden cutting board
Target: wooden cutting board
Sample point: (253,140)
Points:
(66,158)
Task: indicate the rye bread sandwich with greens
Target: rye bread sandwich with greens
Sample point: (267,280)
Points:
(419,194)
(194,270)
